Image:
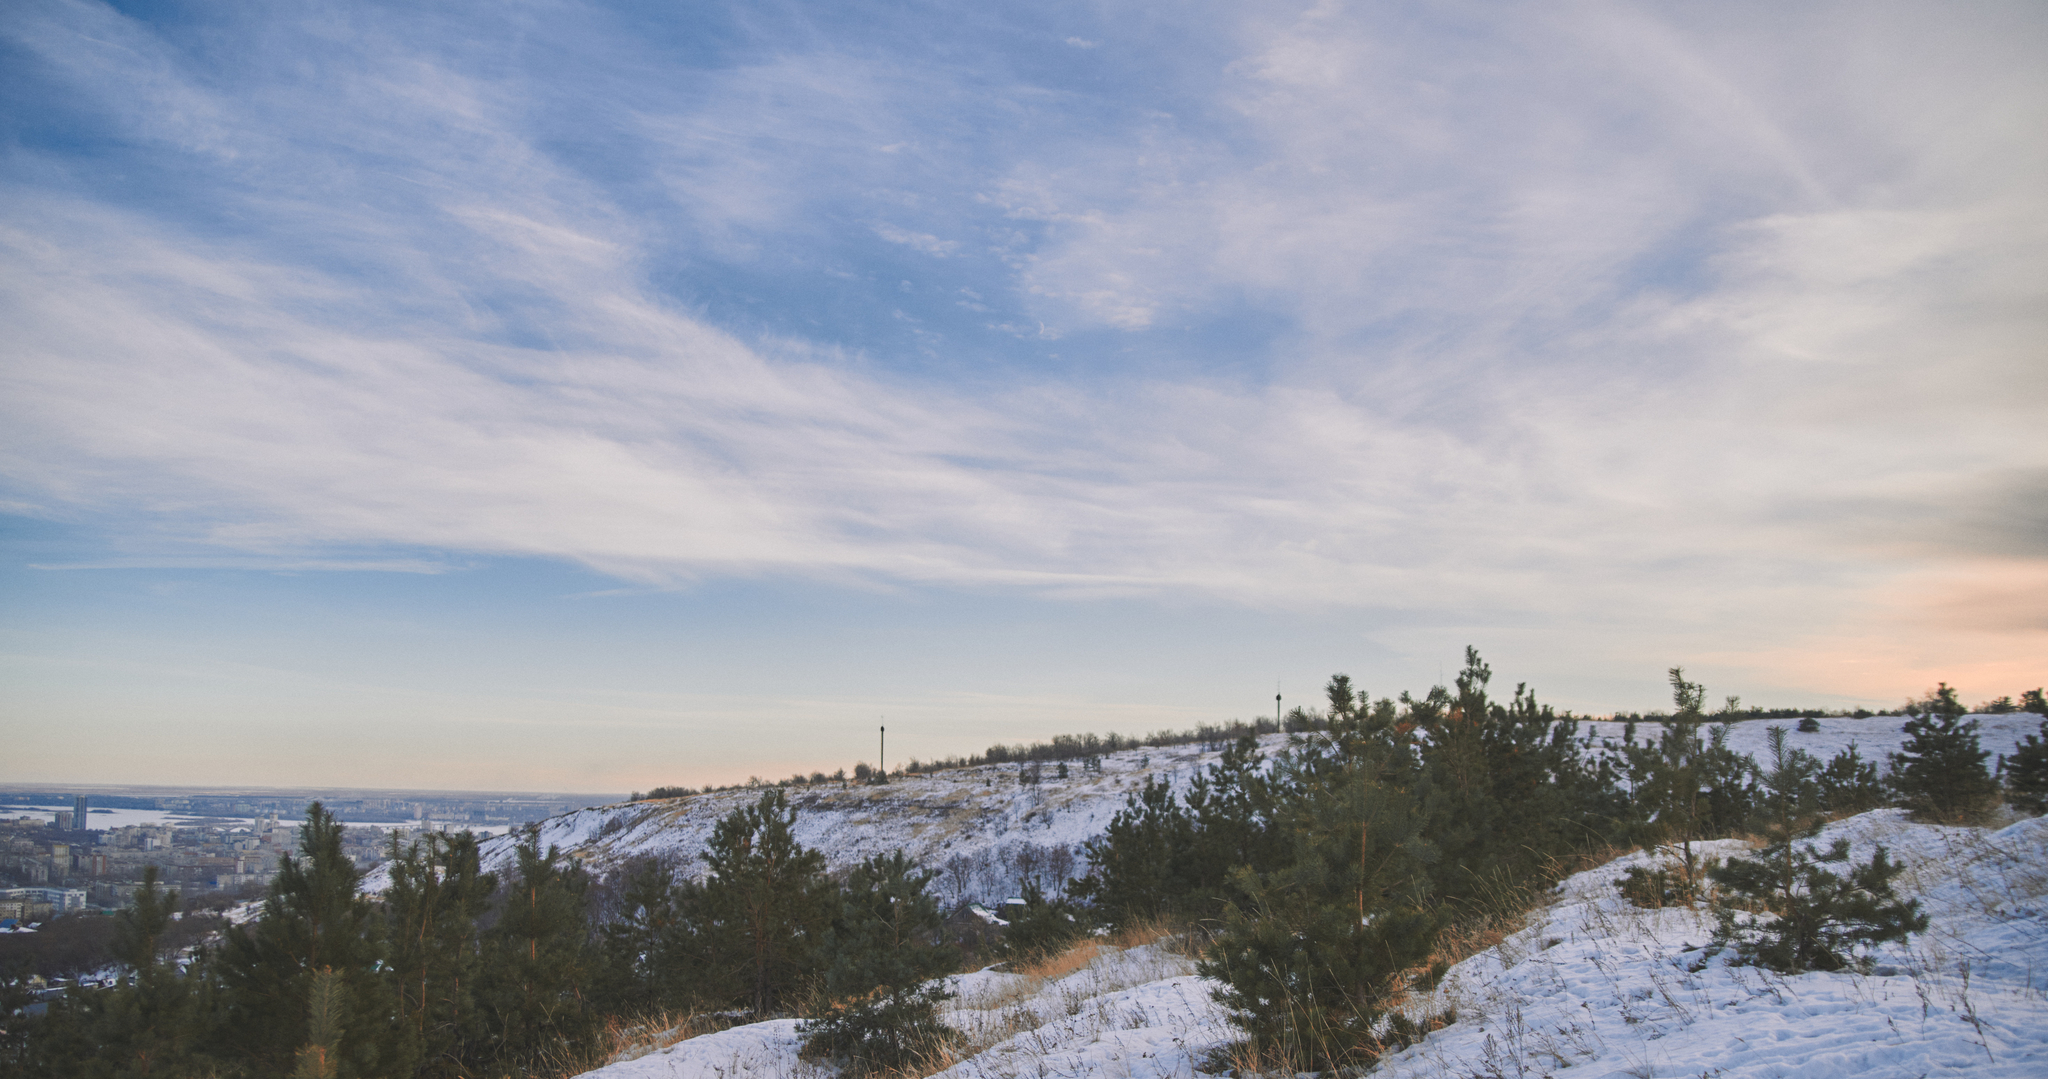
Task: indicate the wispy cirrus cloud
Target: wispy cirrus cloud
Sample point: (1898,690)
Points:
(1595,315)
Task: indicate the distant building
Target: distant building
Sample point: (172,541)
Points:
(78,817)
(59,900)
(63,820)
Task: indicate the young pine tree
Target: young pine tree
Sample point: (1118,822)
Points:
(641,967)
(324,1005)
(151,1024)
(438,894)
(1850,784)
(1787,911)
(876,1008)
(766,901)
(536,961)
(1939,772)
(313,919)
(1317,951)
(2026,773)
(1670,774)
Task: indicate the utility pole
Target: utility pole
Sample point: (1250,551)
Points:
(883,753)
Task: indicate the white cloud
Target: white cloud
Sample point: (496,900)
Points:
(1585,314)
(918,241)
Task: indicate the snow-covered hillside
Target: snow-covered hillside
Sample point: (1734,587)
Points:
(1604,988)
(981,829)
(985,833)
(1590,984)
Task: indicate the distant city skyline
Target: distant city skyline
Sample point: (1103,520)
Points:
(609,395)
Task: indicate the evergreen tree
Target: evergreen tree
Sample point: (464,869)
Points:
(1792,805)
(1136,864)
(1939,772)
(536,963)
(324,1006)
(312,920)
(438,894)
(643,968)
(152,1023)
(139,929)
(1669,776)
(1510,793)
(877,1009)
(1787,912)
(2026,773)
(1168,857)
(1850,784)
(1317,951)
(766,897)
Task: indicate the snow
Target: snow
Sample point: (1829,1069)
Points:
(1606,989)
(757,1049)
(1137,1013)
(1590,984)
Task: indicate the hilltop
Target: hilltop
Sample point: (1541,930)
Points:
(981,827)
(986,832)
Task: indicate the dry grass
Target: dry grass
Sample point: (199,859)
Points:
(1054,967)
(632,1037)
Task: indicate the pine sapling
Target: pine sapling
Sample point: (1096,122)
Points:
(1939,772)
(1789,912)
(2026,773)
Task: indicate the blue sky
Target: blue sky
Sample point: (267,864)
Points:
(591,396)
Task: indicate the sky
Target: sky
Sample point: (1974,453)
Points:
(588,396)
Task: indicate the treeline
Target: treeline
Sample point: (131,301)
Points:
(1062,747)
(456,972)
(2030,701)
(1071,747)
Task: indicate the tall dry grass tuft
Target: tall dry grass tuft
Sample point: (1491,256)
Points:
(1052,968)
(631,1037)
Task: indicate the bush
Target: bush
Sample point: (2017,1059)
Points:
(1786,911)
(1044,929)
(1660,887)
(1809,725)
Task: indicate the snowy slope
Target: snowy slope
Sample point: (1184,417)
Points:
(996,833)
(1603,988)
(1591,984)
(1000,831)
(1131,1013)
